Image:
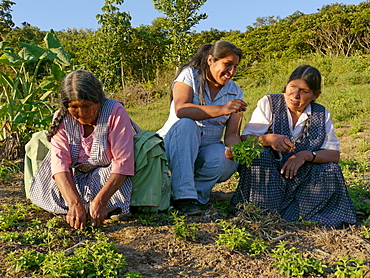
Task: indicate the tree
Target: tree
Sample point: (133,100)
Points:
(6,22)
(181,16)
(147,48)
(266,20)
(25,33)
(209,36)
(111,43)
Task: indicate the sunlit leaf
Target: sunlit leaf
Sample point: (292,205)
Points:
(51,40)
(13,58)
(62,56)
(31,50)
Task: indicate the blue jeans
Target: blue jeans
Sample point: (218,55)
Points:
(195,168)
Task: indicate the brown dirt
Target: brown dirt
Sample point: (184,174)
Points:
(151,249)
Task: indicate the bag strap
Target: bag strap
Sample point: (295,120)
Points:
(272,118)
(135,127)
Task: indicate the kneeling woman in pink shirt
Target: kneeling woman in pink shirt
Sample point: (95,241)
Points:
(86,173)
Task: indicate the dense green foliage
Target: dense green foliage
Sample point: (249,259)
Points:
(26,93)
(120,54)
(6,22)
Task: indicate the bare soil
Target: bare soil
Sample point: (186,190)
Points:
(150,248)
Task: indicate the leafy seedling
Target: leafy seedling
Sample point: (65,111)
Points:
(245,151)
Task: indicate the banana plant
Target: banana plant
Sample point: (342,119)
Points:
(26,96)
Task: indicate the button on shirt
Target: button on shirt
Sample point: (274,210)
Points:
(211,129)
(262,117)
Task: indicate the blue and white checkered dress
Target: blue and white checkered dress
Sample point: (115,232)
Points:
(89,177)
(317,193)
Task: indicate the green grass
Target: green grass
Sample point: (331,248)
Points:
(152,116)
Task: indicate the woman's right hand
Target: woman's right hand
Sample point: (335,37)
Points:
(76,216)
(234,106)
(278,142)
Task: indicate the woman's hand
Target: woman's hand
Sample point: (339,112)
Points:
(234,106)
(292,165)
(228,153)
(98,207)
(98,212)
(76,216)
(278,142)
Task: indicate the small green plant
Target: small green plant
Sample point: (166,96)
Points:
(182,230)
(301,221)
(93,259)
(12,215)
(366,232)
(292,264)
(356,126)
(223,207)
(238,239)
(8,236)
(46,234)
(366,223)
(25,260)
(352,268)
(133,274)
(245,151)
(152,219)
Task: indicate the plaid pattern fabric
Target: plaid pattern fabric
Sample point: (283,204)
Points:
(317,193)
(89,177)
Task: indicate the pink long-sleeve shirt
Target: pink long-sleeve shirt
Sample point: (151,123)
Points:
(120,145)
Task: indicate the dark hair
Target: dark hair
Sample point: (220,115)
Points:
(77,85)
(218,50)
(310,75)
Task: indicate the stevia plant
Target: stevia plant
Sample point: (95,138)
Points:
(350,267)
(291,263)
(183,230)
(238,239)
(12,215)
(25,260)
(366,232)
(245,151)
(94,259)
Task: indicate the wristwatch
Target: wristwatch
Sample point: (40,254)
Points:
(313,156)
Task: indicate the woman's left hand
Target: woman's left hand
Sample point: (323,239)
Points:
(292,165)
(98,212)
(228,153)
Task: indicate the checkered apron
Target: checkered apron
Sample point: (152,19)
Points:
(317,193)
(89,177)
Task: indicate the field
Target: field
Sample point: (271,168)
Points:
(210,245)
(150,247)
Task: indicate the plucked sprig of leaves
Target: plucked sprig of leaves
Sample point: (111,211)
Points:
(245,151)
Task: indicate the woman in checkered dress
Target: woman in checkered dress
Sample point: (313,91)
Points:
(297,174)
(87,171)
